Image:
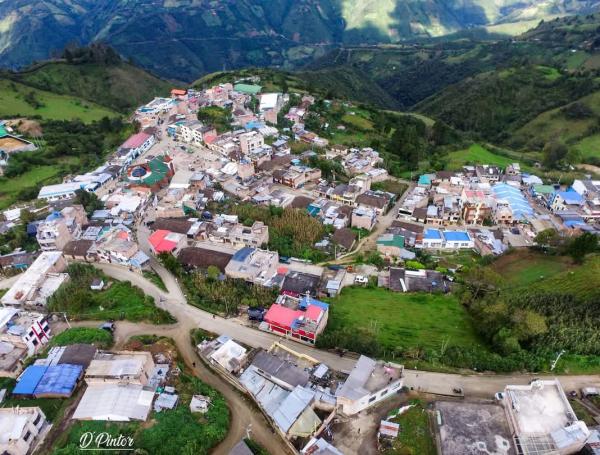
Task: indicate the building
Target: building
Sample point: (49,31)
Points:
(437,239)
(21,429)
(59,228)
(60,191)
(39,281)
(253,265)
(377,200)
(566,200)
(345,238)
(194,132)
(402,280)
(22,327)
(193,257)
(369,382)
(250,142)
(163,241)
(114,402)
(296,176)
(303,323)
(255,236)
(124,367)
(475,207)
(364,218)
(542,420)
(133,147)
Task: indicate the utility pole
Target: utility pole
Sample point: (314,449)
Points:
(556,360)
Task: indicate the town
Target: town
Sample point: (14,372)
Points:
(223,214)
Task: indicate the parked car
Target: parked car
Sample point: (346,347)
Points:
(361,279)
(499,396)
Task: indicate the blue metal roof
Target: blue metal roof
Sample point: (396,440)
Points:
(432,234)
(571,196)
(307,300)
(29,380)
(517,202)
(59,380)
(457,236)
(242,255)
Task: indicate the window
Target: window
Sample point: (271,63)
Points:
(383,392)
(37,419)
(372,399)
(27,436)
(35,341)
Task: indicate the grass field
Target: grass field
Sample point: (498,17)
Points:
(477,154)
(10,188)
(13,102)
(99,337)
(404,320)
(523,267)
(415,436)
(588,147)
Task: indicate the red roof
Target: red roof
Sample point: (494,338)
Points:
(282,316)
(178,92)
(159,242)
(210,138)
(313,312)
(135,141)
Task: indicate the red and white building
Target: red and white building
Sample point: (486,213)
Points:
(163,241)
(302,324)
(24,328)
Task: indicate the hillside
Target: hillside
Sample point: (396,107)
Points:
(185,38)
(119,86)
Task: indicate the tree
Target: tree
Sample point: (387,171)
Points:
(548,239)
(90,201)
(582,245)
(554,152)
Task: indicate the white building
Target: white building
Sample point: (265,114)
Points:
(60,191)
(21,429)
(59,228)
(541,417)
(369,382)
(39,282)
(194,132)
(30,329)
(249,142)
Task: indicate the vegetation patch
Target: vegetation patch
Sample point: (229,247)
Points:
(100,338)
(523,267)
(415,436)
(120,300)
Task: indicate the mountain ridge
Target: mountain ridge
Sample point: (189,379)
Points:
(183,39)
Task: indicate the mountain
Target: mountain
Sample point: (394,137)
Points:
(182,39)
(92,76)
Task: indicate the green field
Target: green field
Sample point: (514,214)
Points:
(10,188)
(99,337)
(476,154)
(523,267)
(403,320)
(415,436)
(588,147)
(13,102)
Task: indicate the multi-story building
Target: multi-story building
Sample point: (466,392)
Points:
(194,132)
(21,429)
(23,327)
(249,142)
(253,236)
(475,207)
(59,228)
(296,176)
(541,417)
(364,217)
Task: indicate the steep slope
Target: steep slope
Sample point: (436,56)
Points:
(182,39)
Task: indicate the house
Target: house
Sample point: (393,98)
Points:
(511,204)
(319,446)
(77,250)
(39,281)
(123,367)
(251,141)
(438,239)
(377,200)
(117,247)
(392,244)
(193,257)
(369,382)
(475,207)
(194,132)
(253,265)
(298,284)
(566,200)
(23,327)
(17,260)
(540,415)
(59,228)
(302,323)
(296,176)
(487,173)
(364,218)
(114,402)
(403,280)
(163,241)
(133,147)
(255,236)
(225,353)
(21,429)
(345,238)
(48,381)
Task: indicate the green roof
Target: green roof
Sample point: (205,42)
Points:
(3,131)
(424,180)
(391,240)
(247,88)
(543,189)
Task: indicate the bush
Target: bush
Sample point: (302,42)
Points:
(98,337)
